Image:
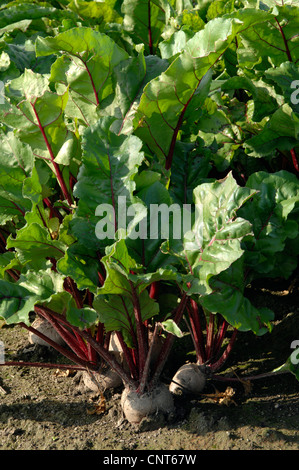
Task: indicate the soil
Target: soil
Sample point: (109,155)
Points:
(41,409)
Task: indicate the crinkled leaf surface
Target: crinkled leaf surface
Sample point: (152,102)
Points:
(18,299)
(34,244)
(16,167)
(276,43)
(116,312)
(110,162)
(214,242)
(15,302)
(37,115)
(145,20)
(270,213)
(165,99)
(228,300)
(86,67)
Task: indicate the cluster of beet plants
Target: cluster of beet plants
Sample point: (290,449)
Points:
(120,127)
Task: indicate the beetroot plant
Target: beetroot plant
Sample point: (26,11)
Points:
(148,174)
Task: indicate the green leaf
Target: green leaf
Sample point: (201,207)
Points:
(15,303)
(33,244)
(123,274)
(280,132)
(8,260)
(116,312)
(145,21)
(37,115)
(228,299)
(18,12)
(42,284)
(275,43)
(85,68)
(270,214)
(263,103)
(131,76)
(214,241)
(100,12)
(16,169)
(110,163)
(165,99)
(82,265)
(82,317)
(286,76)
(170,326)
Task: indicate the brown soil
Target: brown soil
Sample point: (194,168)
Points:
(43,410)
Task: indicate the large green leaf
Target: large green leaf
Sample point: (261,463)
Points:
(275,43)
(15,302)
(37,115)
(165,99)
(27,10)
(85,64)
(18,299)
(34,244)
(145,20)
(228,300)
(110,163)
(214,241)
(99,12)
(271,214)
(17,178)
(131,76)
(117,314)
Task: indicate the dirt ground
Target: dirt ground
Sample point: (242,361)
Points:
(43,410)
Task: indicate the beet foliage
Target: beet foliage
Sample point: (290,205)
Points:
(110,109)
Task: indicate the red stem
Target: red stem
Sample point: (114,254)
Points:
(128,356)
(141,339)
(294,159)
(66,353)
(154,290)
(225,354)
(198,337)
(92,82)
(53,210)
(74,291)
(150,39)
(43,365)
(285,41)
(169,157)
(55,165)
(146,369)
(210,336)
(109,359)
(220,337)
(162,358)
(65,335)
(102,351)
